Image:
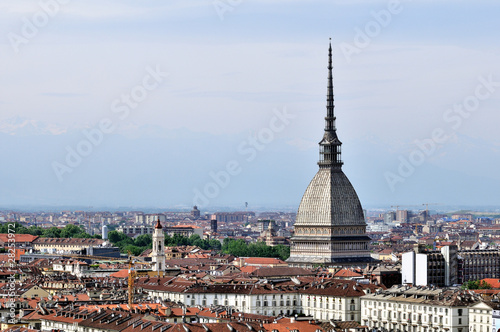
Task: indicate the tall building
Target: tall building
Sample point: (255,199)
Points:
(195,213)
(158,256)
(213,224)
(402,216)
(330,229)
(449,266)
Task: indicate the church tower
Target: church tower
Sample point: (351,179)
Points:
(158,256)
(330,229)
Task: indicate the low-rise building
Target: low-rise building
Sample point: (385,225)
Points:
(484,316)
(183,230)
(323,300)
(66,245)
(135,230)
(17,240)
(403,308)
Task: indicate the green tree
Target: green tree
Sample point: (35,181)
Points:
(115,236)
(476,284)
(214,244)
(71,231)
(34,230)
(134,250)
(52,232)
(281,251)
(260,249)
(143,240)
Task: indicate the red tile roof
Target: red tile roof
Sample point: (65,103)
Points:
(493,282)
(345,273)
(120,274)
(18,237)
(286,325)
(263,261)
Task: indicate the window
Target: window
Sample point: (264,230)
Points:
(460,312)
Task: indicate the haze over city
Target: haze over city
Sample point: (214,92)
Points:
(226,99)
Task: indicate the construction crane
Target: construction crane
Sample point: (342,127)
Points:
(131,279)
(398,206)
(416,224)
(427,209)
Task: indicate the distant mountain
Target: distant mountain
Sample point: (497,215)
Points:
(20,126)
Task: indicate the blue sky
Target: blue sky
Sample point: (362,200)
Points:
(228,66)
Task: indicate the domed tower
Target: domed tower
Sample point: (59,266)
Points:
(330,229)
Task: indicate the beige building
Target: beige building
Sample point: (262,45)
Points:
(58,245)
(417,309)
(35,292)
(182,230)
(482,316)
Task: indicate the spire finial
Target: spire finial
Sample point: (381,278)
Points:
(330,118)
(330,144)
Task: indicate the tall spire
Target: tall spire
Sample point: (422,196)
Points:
(330,117)
(329,147)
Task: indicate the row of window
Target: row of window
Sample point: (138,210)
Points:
(405,306)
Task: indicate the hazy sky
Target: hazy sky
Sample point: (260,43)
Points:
(187,84)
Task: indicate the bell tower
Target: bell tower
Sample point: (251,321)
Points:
(158,256)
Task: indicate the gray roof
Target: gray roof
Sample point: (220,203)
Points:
(330,200)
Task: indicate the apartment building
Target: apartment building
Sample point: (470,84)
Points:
(417,309)
(327,300)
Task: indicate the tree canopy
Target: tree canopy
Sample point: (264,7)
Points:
(68,231)
(259,249)
(476,284)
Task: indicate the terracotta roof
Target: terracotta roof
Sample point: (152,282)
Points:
(20,329)
(281,271)
(248,269)
(345,273)
(493,282)
(286,325)
(18,237)
(120,274)
(72,241)
(263,261)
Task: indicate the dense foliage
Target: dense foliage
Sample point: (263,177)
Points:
(193,240)
(125,243)
(142,242)
(259,249)
(136,246)
(476,284)
(68,231)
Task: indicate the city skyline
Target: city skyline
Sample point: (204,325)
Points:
(218,103)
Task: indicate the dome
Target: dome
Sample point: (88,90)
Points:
(330,227)
(330,200)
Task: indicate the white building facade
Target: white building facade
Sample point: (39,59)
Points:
(417,309)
